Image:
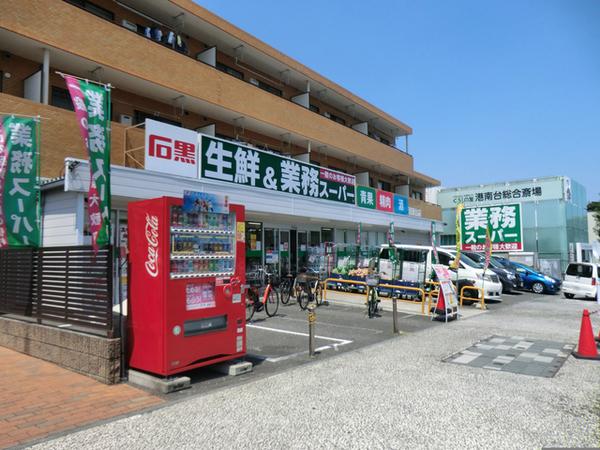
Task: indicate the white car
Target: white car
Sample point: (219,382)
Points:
(581,279)
(416,266)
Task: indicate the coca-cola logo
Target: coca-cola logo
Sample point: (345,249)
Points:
(152,239)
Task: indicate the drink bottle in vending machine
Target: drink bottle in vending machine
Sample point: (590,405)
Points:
(187,271)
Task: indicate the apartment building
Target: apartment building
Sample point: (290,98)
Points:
(174,62)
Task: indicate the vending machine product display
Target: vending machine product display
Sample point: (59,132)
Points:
(186,278)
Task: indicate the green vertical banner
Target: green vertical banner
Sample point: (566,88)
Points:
(91,102)
(19,190)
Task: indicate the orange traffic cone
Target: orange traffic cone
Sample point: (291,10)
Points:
(587,347)
(441,304)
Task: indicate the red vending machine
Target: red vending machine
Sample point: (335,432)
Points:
(186,279)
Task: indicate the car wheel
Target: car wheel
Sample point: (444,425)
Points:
(567,295)
(538,288)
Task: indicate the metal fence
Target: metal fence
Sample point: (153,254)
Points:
(61,286)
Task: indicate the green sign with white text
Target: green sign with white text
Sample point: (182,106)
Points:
(504,222)
(19,205)
(235,163)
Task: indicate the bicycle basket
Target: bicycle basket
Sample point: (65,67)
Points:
(372,280)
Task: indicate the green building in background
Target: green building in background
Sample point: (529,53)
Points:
(553,216)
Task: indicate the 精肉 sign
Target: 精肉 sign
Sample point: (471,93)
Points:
(234,163)
(505,227)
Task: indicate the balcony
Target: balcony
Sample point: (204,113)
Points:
(152,69)
(60,134)
(428,210)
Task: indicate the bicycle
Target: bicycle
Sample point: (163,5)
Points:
(286,288)
(372,281)
(310,289)
(269,300)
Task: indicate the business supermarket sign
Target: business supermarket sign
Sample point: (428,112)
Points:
(182,152)
(504,224)
(247,166)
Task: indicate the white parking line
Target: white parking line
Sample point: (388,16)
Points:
(338,342)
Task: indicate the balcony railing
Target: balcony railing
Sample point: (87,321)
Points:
(182,49)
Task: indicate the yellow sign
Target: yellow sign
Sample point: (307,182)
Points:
(312,317)
(459,209)
(241,232)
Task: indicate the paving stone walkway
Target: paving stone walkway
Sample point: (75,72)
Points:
(38,398)
(515,354)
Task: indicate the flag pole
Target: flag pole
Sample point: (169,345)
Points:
(87,80)
(37,117)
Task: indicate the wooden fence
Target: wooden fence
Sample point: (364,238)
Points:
(61,286)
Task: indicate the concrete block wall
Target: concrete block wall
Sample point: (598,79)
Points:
(94,356)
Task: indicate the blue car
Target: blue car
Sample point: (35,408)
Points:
(536,281)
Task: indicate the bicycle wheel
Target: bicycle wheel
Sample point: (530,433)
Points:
(372,303)
(285,290)
(272,303)
(251,299)
(304,297)
(319,293)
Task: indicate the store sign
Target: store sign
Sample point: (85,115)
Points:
(550,188)
(365,197)
(19,195)
(445,278)
(385,201)
(505,228)
(171,149)
(400,204)
(234,163)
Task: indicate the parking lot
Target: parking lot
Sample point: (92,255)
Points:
(280,343)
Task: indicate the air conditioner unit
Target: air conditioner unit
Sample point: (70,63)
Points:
(129,25)
(126,119)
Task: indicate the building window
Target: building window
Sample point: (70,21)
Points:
(61,98)
(94,9)
(337,119)
(337,169)
(314,108)
(448,239)
(230,70)
(267,87)
(417,195)
(384,186)
(141,116)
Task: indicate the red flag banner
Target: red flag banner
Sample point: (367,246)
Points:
(92,108)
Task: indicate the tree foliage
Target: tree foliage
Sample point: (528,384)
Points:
(594,208)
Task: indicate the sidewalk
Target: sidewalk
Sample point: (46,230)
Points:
(396,394)
(38,398)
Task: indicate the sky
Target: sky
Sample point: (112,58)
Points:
(494,90)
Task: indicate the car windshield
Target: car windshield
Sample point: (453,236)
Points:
(468,261)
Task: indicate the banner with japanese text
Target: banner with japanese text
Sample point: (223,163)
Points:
(235,163)
(366,197)
(91,102)
(19,191)
(505,228)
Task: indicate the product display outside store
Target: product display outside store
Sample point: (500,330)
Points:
(233,163)
(19,205)
(505,228)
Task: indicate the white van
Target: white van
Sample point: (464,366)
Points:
(581,279)
(416,266)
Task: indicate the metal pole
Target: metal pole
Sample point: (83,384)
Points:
(394,314)
(46,76)
(312,318)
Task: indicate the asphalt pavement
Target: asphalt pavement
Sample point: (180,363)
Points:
(387,392)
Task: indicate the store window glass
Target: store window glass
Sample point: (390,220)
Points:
(315,239)
(327,234)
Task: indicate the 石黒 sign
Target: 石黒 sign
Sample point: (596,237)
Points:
(505,228)
(171,149)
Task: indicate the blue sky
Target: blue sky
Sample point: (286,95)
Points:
(494,90)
